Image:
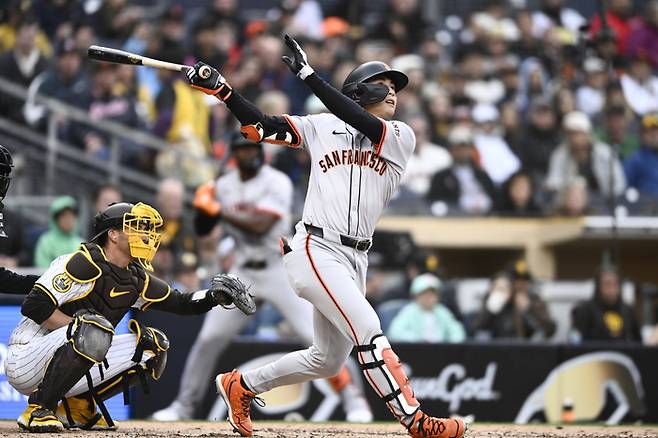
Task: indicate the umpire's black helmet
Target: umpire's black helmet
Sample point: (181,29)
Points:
(368,94)
(6,164)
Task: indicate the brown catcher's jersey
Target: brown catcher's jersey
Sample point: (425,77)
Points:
(86,280)
(352,180)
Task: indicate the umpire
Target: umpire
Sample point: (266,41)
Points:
(10,282)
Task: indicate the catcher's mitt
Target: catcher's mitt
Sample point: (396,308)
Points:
(227,289)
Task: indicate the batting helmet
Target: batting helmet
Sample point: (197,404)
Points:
(238,141)
(356,87)
(6,164)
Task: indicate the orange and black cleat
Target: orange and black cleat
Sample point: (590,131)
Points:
(425,426)
(238,400)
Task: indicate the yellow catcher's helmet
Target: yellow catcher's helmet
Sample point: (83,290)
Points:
(140,223)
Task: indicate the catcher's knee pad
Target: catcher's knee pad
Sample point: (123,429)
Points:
(90,334)
(151,340)
(383,369)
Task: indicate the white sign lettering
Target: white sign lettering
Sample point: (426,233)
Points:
(453,386)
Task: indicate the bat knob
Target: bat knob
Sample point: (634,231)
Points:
(205,72)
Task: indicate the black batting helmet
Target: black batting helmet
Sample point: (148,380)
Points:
(6,164)
(238,141)
(356,88)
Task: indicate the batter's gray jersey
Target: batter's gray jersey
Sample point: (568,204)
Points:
(352,180)
(269,191)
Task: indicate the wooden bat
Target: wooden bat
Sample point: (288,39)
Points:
(120,57)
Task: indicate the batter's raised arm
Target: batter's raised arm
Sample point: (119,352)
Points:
(340,105)
(256,126)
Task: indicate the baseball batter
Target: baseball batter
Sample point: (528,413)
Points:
(65,348)
(358,156)
(253,203)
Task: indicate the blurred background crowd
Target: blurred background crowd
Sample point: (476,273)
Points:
(521,108)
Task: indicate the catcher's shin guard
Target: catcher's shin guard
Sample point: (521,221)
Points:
(384,372)
(89,339)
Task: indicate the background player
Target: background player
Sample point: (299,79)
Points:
(10,282)
(70,316)
(253,203)
(358,158)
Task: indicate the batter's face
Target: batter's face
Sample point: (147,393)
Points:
(386,108)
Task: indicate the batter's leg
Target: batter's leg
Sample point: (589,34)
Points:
(299,314)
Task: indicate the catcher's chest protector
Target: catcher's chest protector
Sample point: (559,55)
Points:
(114,289)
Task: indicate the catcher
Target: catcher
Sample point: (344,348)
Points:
(64,349)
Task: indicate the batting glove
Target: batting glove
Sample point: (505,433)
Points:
(206,200)
(215,84)
(298,63)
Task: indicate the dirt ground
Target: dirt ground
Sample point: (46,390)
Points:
(146,429)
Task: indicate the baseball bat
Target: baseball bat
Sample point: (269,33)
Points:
(116,56)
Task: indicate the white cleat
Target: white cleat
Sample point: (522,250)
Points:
(173,412)
(356,407)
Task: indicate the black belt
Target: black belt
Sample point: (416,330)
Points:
(360,245)
(255,264)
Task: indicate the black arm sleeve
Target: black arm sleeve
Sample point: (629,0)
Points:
(204,223)
(340,105)
(13,283)
(183,304)
(38,306)
(346,109)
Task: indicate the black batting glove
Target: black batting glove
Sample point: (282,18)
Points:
(297,63)
(214,84)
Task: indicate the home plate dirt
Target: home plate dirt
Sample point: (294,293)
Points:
(147,429)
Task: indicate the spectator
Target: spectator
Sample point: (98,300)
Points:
(573,199)
(511,310)
(557,21)
(618,131)
(403,24)
(21,65)
(463,186)
(605,317)
(177,229)
(642,167)
(496,157)
(62,236)
(539,138)
(518,197)
(425,319)
(106,195)
(590,96)
(580,155)
(643,37)
(640,85)
(186,279)
(427,159)
(619,16)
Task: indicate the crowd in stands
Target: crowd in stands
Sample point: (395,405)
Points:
(517,111)
(558,118)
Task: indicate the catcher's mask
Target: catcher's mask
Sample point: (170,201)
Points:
(139,221)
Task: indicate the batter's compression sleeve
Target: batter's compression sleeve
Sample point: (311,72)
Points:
(13,283)
(258,127)
(347,110)
(185,303)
